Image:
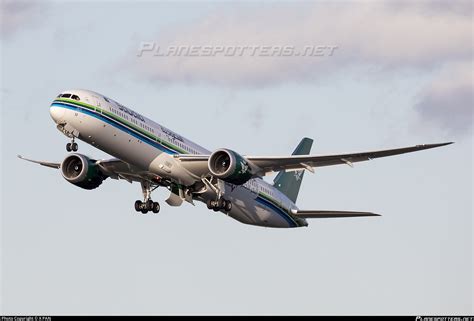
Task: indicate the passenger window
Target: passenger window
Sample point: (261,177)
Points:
(75,97)
(66,95)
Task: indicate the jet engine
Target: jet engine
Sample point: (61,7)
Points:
(229,166)
(81,171)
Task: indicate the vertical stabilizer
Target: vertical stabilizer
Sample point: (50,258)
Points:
(289,182)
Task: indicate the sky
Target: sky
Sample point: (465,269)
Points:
(401,75)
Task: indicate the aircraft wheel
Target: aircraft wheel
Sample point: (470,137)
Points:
(221,204)
(68,147)
(228,206)
(74,147)
(156,207)
(138,205)
(149,205)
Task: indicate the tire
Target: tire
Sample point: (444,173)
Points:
(209,205)
(138,205)
(156,207)
(74,147)
(149,205)
(68,147)
(144,211)
(221,203)
(228,206)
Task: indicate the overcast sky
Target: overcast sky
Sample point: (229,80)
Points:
(402,74)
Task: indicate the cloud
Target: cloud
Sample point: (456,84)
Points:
(390,34)
(15,16)
(448,101)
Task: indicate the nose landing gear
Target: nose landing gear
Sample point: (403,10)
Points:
(72,146)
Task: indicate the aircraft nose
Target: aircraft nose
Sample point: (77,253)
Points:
(57,113)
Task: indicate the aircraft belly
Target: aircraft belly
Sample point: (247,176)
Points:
(246,209)
(167,166)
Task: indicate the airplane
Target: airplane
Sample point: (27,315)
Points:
(155,156)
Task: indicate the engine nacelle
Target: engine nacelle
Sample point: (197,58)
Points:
(81,171)
(229,166)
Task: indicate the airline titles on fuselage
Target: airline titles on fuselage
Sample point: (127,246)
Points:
(125,109)
(130,112)
(171,134)
(136,115)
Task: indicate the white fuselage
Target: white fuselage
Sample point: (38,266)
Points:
(139,141)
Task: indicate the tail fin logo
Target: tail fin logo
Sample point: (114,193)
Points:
(244,167)
(299,175)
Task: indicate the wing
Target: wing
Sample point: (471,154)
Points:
(330,214)
(272,164)
(47,164)
(118,169)
(113,168)
(262,165)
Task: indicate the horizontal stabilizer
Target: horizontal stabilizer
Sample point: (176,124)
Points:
(331,214)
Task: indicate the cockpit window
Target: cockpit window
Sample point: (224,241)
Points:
(66,95)
(58,96)
(75,97)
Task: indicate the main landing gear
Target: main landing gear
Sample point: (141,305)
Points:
(72,146)
(220,204)
(147,204)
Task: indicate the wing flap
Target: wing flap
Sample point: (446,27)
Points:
(331,214)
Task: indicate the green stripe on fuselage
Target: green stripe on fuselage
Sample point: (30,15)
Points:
(123,122)
(163,142)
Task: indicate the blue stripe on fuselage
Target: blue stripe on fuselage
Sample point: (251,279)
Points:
(116,125)
(279,211)
(167,150)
